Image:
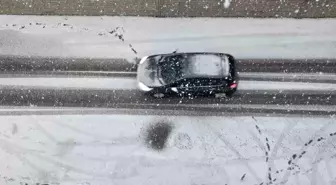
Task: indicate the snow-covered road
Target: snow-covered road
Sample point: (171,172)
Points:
(112,149)
(89,36)
(130,84)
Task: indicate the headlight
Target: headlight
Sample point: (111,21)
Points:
(143,87)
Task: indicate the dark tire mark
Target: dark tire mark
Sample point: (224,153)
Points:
(34,63)
(23,96)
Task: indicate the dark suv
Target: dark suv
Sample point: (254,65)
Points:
(188,74)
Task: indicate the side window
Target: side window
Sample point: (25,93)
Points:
(178,84)
(183,83)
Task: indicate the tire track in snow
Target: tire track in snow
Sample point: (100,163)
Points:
(321,156)
(114,141)
(244,161)
(53,65)
(278,144)
(8,147)
(62,149)
(257,140)
(271,154)
(269,175)
(16,150)
(302,151)
(117,32)
(274,152)
(50,136)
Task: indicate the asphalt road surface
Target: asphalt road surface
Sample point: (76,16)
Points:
(230,111)
(9,64)
(245,101)
(277,77)
(133,99)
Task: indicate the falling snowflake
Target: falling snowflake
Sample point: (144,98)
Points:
(227,3)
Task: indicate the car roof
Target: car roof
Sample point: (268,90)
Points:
(202,65)
(189,53)
(208,66)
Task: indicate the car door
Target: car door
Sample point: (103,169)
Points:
(200,85)
(181,87)
(190,85)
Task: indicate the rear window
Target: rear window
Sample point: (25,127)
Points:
(209,65)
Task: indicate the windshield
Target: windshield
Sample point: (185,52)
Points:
(174,68)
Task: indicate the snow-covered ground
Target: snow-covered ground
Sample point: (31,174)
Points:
(111,149)
(131,84)
(90,37)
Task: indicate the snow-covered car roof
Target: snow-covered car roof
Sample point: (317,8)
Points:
(207,65)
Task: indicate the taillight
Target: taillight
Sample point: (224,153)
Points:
(233,85)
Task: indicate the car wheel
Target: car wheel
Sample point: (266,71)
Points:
(158,95)
(220,95)
(229,94)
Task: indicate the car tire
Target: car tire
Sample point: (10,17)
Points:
(229,94)
(219,95)
(158,95)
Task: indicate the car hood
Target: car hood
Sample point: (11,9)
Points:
(148,75)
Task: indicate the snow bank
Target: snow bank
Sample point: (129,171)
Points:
(98,36)
(130,84)
(106,149)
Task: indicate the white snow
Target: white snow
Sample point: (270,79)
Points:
(207,65)
(307,76)
(325,108)
(227,3)
(288,86)
(244,38)
(131,84)
(110,149)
